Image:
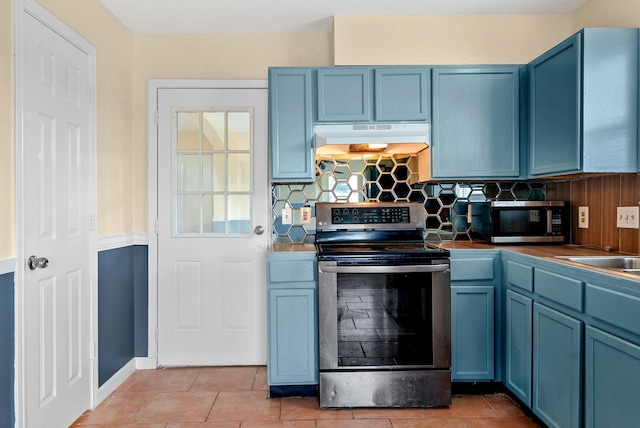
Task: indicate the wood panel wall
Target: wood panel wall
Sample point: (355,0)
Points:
(602,194)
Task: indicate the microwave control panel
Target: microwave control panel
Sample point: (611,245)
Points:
(556,223)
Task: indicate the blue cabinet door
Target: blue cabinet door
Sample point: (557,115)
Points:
(557,367)
(290,125)
(518,345)
(344,94)
(293,350)
(401,93)
(472,333)
(366,94)
(611,379)
(555,103)
(583,104)
(476,122)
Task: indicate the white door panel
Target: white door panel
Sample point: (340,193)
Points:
(213,191)
(56,373)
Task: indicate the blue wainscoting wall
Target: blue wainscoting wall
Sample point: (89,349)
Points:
(7,348)
(122,308)
(141,300)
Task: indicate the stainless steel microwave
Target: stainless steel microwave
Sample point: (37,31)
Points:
(510,222)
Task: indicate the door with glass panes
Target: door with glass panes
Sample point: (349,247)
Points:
(213,215)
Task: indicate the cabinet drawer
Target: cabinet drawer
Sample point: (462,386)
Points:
(618,309)
(560,289)
(471,269)
(520,275)
(292,270)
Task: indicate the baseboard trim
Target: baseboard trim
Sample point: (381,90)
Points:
(111,242)
(7,266)
(116,380)
(146,363)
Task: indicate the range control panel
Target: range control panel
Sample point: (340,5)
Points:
(361,216)
(370,215)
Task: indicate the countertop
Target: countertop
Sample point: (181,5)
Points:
(545,251)
(291,248)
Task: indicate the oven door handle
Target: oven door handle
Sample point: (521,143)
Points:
(384,269)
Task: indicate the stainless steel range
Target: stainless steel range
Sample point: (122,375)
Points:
(384,308)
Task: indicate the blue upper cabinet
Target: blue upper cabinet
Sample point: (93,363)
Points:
(344,94)
(401,93)
(583,104)
(368,94)
(476,122)
(291,125)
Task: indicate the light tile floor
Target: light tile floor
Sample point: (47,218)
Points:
(236,397)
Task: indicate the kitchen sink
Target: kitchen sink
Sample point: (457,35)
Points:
(626,264)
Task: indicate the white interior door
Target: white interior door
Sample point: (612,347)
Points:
(57,176)
(213,226)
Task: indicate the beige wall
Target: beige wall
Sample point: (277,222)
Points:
(607,13)
(211,56)
(7,200)
(480,39)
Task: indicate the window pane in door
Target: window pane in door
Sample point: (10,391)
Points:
(213,130)
(239,130)
(188,213)
(188,174)
(213,213)
(239,214)
(239,172)
(188,131)
(214,175)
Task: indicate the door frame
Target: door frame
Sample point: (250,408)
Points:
(154,86)
(19,8)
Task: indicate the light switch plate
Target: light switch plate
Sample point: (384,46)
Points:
(583,217)
(627,217)
(287,216)
(305,214)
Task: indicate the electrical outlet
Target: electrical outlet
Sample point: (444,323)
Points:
(583,217)
(627,217)
(287,216)
(305,214)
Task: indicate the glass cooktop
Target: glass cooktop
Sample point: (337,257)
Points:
(379,250)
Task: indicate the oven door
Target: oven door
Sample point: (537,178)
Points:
(384,317)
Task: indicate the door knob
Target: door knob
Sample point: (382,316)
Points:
(259,230)
(35,262)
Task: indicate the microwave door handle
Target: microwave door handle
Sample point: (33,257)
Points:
(384,269)
(549,222)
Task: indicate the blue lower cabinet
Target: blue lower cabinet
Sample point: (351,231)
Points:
(518,344)
(472,333)
(292,337)
(557,367)
(292,323)
(612,377)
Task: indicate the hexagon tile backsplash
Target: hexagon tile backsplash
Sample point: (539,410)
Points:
(389,178)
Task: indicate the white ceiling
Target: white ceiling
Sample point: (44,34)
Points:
(266,16)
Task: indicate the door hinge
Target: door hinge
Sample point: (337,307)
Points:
(92,350)
(157,334)
(157,226)
(92,94)
(92,221)
(157,118)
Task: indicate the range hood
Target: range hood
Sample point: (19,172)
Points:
(405,138)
